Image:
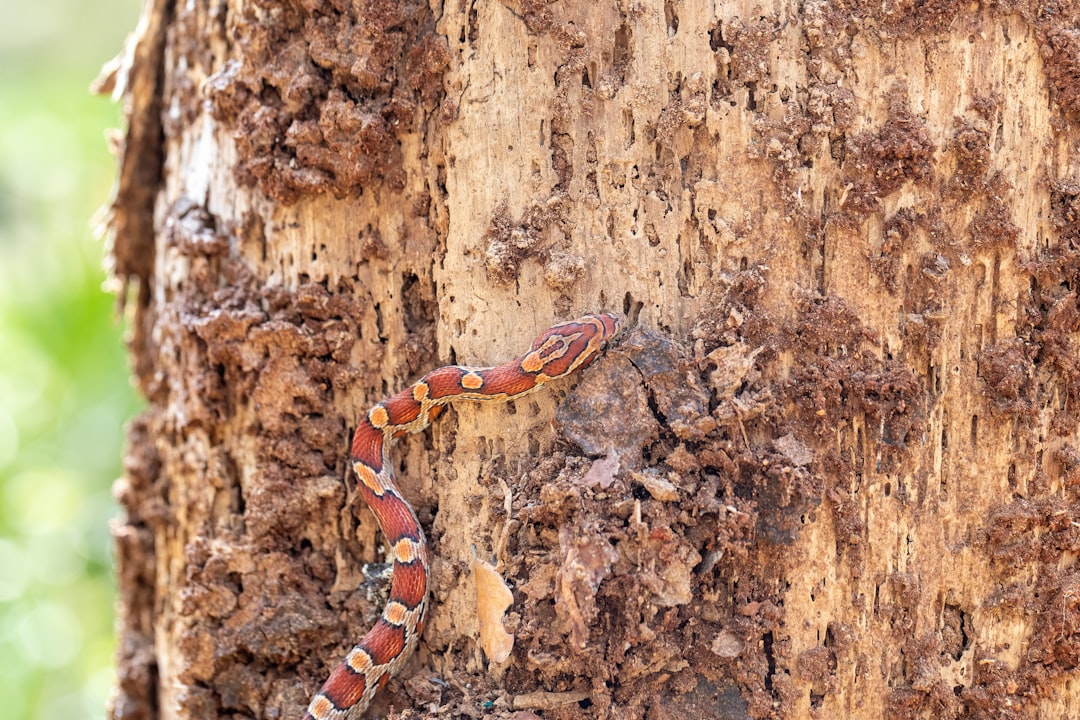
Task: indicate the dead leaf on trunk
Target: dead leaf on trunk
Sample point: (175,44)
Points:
(493,597)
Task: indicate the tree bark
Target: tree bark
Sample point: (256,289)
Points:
(831,471)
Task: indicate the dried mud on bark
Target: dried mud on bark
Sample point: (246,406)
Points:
(322,90)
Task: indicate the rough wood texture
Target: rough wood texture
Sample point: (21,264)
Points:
(833,471)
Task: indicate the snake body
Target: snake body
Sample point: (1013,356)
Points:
(559,351)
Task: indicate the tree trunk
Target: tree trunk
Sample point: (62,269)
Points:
(831,471)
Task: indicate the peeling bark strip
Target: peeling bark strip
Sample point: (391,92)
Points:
(835,470)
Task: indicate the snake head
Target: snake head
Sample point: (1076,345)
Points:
(613,324)
(569,346)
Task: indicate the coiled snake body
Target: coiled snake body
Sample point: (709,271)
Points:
(559,351)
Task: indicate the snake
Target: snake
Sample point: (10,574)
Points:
(559,351)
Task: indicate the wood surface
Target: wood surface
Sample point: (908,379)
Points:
(831,471)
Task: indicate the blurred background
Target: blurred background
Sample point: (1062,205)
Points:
(64,389)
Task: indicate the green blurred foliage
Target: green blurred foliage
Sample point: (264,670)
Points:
(64,387)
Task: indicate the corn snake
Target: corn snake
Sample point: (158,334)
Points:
(562,349)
